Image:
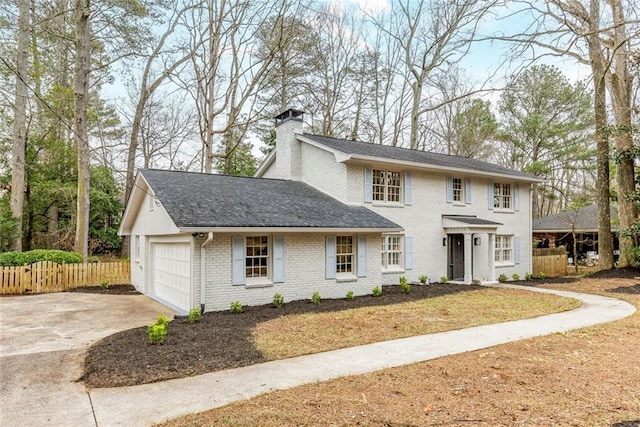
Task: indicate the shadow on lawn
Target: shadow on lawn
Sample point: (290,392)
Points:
(635,423)
(220,340)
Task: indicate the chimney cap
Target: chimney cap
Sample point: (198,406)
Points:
(289,114)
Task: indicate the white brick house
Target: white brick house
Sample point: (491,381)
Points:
(326,215)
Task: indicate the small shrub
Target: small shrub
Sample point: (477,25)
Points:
(315,298)
(444,279)
(635,256)
(527,276)
(350,295)
(278,300)
(104,284)
(377,291)
(195,314)
(157,332)
(541,275)
(404,285)
(423,279)
(515,276)
(236,307)
(502,278)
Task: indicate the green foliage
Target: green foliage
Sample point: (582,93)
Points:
(502,278)
(9,259)
(195,314)
(444,279)
(377,291)
(515,276)
(528,276)
(542,276)
(315,298)
(404,285)
(104,284)
(236,307)
(350,295)
(8,225)
(474,126)
(635,254)
(423,279)
(157,332)
(278,300)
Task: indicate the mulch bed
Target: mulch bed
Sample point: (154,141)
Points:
(111,290)
(220,340)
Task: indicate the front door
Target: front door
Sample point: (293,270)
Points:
(456,257)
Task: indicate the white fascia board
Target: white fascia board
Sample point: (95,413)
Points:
(287,230)
(136,198)
(360,159)
(266,162)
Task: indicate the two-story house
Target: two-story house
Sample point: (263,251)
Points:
(326,215)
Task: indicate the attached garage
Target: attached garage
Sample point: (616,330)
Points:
(171,277)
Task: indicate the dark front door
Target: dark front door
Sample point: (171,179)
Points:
(456,257)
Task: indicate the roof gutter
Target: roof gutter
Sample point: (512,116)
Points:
(203,282)
(254,230)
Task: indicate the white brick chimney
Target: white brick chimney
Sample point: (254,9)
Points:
(288,125)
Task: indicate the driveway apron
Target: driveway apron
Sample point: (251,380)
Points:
(43,341)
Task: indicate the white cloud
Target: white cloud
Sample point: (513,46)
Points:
(370,7)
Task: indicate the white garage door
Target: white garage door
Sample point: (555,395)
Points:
(172,273)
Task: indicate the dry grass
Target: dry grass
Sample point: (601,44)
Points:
(291,336)
(587,377)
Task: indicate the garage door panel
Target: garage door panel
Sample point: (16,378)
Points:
(172,273)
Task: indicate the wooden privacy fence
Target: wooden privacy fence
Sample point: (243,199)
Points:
(48,276)
(551,261)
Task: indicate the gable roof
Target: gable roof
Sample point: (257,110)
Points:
(197,201)
(585,219)
(357,150)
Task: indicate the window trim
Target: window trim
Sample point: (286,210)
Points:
(461,190)
(350,255)
(498,252)
(399,189)
(261,278)
(499,204)
(385,253)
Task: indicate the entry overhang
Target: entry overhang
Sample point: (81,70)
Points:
(468,224)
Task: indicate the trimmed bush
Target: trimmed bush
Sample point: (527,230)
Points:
(315,298)
(377,291)
(349,295)
(278,300)
(157,332)
(16,259)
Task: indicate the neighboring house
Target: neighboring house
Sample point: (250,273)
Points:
(558,230)
(327,215)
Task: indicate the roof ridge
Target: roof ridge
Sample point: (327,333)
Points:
(211,174)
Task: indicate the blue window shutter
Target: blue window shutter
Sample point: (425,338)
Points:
(516,250)
(449,189)
(238,268)
(467,190)
(490,195)
(330,249)
(362,256)
(278,259)
(408,253)
(368,185)
(516,198)
(408,190)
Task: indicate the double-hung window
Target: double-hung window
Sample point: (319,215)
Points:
(392,251)
(387,186)
(344,254)
(458,189)
(257,257)
(502,196)
(504,249)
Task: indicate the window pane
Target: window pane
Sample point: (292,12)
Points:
(257,256)
(457,189)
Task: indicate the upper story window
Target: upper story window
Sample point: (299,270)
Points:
(458,190)
(502,198)
(387,186)
(257,256)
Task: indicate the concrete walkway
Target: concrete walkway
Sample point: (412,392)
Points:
(152,403)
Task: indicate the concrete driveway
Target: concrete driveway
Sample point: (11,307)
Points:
(43,340)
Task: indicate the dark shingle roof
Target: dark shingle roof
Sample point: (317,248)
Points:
(407,155)
(206,200)
(585,218)
(471,220)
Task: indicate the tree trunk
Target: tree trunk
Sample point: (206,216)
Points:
(605,240)
(621,83)
(20,123)
(81,140)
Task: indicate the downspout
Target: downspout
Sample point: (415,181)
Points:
(203,290)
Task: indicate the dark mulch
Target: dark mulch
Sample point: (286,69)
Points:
(220,340)
(616,273)
(111,290)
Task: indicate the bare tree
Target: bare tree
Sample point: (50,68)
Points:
(20,120)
